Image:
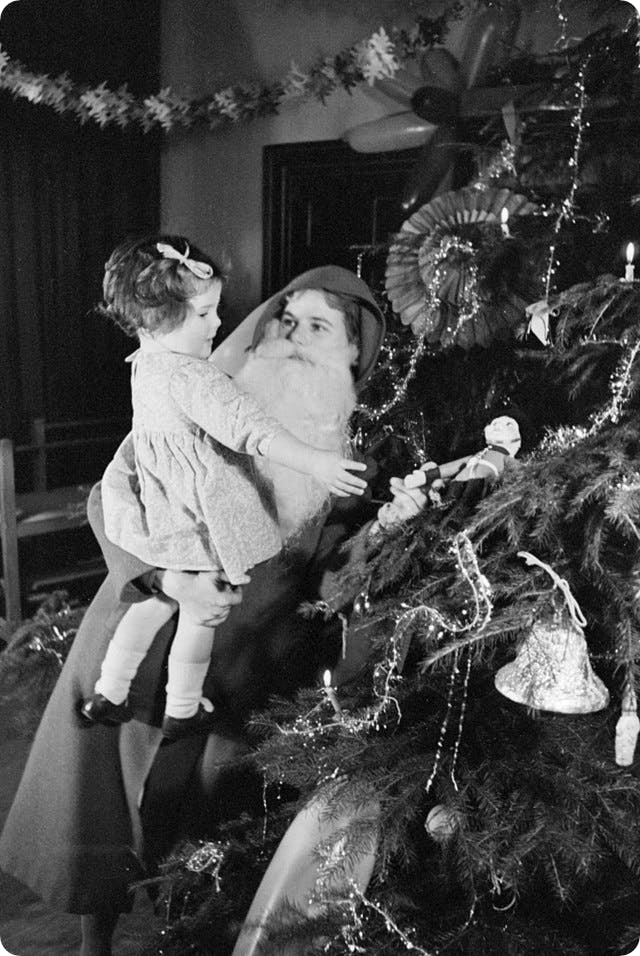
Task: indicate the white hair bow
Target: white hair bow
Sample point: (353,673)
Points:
(202,270)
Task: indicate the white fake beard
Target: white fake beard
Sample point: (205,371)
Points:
(314,402)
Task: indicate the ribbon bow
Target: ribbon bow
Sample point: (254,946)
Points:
(201,270)
(575,612)
(539,314)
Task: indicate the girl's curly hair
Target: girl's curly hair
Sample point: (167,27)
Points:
(143,290)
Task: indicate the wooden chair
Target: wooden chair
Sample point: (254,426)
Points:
(44,510)
(47,438)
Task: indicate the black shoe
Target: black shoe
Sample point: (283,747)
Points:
(100,710)
(174,728)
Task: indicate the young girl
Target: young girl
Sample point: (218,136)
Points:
(200,505)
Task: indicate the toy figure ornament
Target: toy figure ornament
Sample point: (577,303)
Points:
(502,436)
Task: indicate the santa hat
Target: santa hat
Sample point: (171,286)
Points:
(231,354)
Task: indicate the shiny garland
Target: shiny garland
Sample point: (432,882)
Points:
(32,661)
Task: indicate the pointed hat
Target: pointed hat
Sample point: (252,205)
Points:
(230,355)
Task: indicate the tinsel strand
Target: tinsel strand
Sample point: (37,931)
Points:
(568,204)
(444,725)
(463,710)
(390,924)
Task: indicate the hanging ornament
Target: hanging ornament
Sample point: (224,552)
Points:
(436,93)
(627,728)
(552,670)
(399,131)
(433,278)
(441,823)
(538,316)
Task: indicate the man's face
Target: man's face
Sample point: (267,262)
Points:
(316,328)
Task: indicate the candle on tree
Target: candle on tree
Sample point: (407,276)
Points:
(504,223)
(330,692)
(629,268)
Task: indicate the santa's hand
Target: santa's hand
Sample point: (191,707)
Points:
(335,472)
(406,503)
(206,596)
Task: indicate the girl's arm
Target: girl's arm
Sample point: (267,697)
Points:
(326,466)
(213,401)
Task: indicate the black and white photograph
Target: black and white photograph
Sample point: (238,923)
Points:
(331,645)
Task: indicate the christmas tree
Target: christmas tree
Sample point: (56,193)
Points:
(464,781)
(470,785)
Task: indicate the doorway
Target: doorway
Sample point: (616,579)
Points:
(324,204)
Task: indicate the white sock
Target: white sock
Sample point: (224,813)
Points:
(119,667)
(184,687)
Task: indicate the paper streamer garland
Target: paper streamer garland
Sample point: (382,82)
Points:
(376,57)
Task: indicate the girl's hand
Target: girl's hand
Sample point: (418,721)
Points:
(206,596)
(335,472)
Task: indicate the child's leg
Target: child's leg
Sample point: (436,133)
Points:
(132,639)
(188,666)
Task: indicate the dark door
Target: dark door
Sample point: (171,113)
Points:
(324,203)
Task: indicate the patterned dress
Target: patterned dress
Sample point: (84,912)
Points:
(201,504)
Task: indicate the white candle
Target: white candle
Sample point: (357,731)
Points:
(330,692)
(629,268)
(627,728)
(504,222)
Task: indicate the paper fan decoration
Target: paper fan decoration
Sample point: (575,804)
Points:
(454,272)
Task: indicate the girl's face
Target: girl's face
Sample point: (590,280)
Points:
(310,322)
(195,335)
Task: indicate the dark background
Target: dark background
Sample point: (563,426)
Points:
(68,194)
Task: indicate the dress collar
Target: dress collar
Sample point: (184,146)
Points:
(149,344)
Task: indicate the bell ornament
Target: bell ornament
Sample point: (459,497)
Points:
(552,670)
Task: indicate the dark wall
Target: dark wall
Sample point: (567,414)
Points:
(68,193)
(92,40)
